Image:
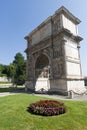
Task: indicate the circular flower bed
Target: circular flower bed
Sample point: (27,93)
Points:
(47,108)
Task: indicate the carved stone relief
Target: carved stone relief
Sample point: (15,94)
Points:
(53,41)
(58,51)
(56,25)
(58,69)
(41,73)
(48,51)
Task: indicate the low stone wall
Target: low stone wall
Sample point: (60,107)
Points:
(5,79)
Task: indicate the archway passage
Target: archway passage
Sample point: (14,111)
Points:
(42,73)
(41,67)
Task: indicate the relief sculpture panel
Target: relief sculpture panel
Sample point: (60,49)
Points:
(56,25)
(58,69)
(58,51)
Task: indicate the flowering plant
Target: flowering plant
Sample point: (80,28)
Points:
(47,108)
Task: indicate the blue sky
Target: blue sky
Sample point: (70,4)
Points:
(19,17)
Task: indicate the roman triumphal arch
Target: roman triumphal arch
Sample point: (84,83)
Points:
(53,58)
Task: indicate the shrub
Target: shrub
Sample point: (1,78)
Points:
(47,108)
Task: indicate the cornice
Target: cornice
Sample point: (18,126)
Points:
(66,32)
(63,10)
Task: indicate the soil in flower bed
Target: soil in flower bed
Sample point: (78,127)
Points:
(47,108)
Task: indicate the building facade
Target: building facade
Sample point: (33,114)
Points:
(53,57)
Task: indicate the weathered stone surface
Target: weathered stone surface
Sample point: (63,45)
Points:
(53,59)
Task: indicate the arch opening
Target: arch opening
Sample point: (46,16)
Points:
(41,67)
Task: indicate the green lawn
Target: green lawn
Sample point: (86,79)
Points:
(13,115)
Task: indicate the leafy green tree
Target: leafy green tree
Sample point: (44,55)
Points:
(20,69)
(1,69)
(5,70)
(19,59)
(9,71)
(16,70)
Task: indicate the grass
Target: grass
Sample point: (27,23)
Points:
(13,115)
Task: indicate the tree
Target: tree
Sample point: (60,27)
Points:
(16,70)
(8,71)
(1,69)
(5,70)
(19,59)
(20,69)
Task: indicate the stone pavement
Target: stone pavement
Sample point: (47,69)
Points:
(77,98)
(6,94)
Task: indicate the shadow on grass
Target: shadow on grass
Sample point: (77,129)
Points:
(12,89)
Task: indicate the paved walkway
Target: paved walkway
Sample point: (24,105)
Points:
(6,94)
(77,98)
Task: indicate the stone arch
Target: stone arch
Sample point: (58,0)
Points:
(42,66)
